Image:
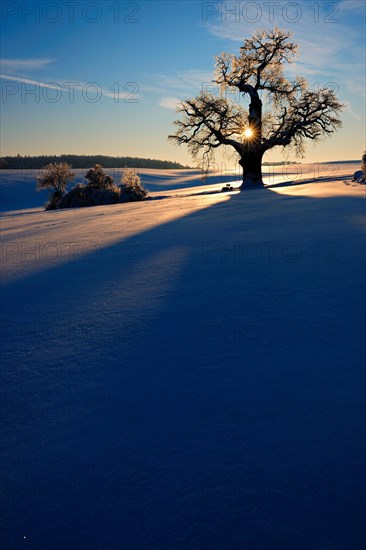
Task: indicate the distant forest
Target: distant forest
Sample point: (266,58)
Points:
(87,161)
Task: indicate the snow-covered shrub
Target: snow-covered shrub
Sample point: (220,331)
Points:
(99,190)
(131,188)
(97,178)
(55,177)
(360,175)
(89,195)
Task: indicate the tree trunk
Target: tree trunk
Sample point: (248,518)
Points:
(252,170)
(251,152)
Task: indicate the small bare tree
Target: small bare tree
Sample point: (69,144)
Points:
(55,177)
(293,112)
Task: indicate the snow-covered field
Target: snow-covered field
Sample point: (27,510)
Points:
(187,372)
(17,187)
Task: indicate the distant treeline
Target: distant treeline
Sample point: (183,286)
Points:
(87,161)
(282,162)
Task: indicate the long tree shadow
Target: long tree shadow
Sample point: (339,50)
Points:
(216,375)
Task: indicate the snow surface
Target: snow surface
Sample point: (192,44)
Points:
(186,372)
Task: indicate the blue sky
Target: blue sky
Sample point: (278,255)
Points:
(130,62)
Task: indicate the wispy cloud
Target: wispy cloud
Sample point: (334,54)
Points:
(70,87)
(348,109)
(23,80)
(169,102)
(356,86)
(16,65)
(187,80)
(351,4)
(182,83)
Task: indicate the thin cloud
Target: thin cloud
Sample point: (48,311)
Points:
(356,87)
(348,109)
(15,65)
(351,5)
(70,87)
(184,81)
(169,103)
(22,80)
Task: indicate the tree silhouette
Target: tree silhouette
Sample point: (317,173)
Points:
(292,113)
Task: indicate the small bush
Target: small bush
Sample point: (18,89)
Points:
(131,188)
(97,178)
(55,177)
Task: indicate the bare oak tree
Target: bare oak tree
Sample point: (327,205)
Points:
(282,112)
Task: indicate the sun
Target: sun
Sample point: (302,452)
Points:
(248,133)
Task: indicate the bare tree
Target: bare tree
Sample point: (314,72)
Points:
(292,112)
(55,177)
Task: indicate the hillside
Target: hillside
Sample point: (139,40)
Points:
(187,369)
